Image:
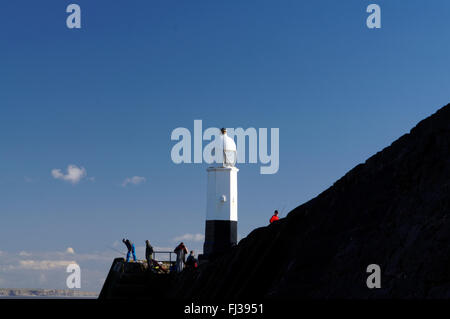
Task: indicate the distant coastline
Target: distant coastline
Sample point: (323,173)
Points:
(45,293)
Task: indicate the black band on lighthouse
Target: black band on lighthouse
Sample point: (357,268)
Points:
(220,235)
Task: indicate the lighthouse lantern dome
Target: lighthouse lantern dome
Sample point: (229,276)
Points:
(229,149)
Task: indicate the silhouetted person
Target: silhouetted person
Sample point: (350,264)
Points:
(191,261)
(130,247)
(275,217)
(181,252)
(148,253)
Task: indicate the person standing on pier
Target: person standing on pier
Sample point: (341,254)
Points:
(131,249)
(181,252)
(148,253)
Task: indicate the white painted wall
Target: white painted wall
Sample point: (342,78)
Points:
(221,203)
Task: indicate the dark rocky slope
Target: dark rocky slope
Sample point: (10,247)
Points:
(393,210)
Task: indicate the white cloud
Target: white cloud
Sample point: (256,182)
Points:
(74,174)
(70,250)
(190,237)
(44,264)
(24,254)
(135,180)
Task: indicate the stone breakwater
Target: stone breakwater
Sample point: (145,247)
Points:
(393,210)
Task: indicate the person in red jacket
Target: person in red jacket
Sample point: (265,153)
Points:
(274,217)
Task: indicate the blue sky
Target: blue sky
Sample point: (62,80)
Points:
(107,97)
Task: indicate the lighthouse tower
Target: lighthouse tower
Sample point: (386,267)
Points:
(221,206)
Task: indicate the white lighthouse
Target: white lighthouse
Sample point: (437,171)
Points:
(221,206)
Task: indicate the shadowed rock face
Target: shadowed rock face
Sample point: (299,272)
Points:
(393,210)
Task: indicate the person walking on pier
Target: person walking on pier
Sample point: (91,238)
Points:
(130,247)
(181,252)
(148,253)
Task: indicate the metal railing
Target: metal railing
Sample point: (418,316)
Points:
(164,252)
